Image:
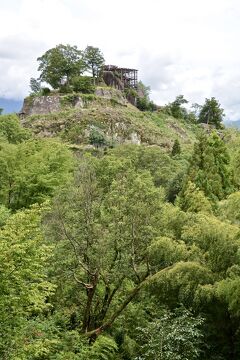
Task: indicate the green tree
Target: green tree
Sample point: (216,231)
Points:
(230,208)
(60,64)
(35,86)
(11,129)
(97,138)
(210,167)
(94,60)
(32,171)
(174,336)
(23,282)
(103,228)
(176,108)
(193,200)
(1,111)
(83,84)
(211,113)
(143,102)
(4,215)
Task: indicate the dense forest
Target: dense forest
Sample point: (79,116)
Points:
(120,251)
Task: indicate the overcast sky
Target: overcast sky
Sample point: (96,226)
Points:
(188,47)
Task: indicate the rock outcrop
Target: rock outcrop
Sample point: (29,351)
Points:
(42,105)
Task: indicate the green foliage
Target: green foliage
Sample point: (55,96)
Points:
(11,130)
(218,240)
(176,149)
(31,171)
(144,104)
(4,215)
(59,64)
(97,138)
(193,200)
(230,208)
(176,109)
(65,89)
(1,111)
(103,349)
(35,86)
(68,100)
(210,168)
(117,259)
(83,84)
(23,281)
(236,164)
(94,60)
(143,101)
(113,231)
(162,167)
(45,91)
(173,336)
(211,113)
(228,290)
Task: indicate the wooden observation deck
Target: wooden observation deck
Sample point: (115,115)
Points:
(128,77)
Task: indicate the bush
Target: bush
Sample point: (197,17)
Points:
(96,138)
(65,89)
(11,129)
(69,100)
(83,84)
(144,104)
(45,91)
(176,149)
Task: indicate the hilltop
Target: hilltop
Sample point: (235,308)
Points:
(107,115)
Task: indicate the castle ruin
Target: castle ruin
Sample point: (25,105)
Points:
(120,78)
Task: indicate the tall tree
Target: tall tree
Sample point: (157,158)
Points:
(60,64)
(94,60)
(211,113)
(210,168)
(103,234)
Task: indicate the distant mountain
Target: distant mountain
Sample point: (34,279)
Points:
(232,124)
(10,105)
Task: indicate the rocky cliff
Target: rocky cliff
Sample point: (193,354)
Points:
(39,105)
(104,117)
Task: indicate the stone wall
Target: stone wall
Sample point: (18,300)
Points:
(41,105)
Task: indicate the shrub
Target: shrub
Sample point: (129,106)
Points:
(144,104)
(96,138)
(69,100)
(65,89)
(176,149)
(83,84)
(45,91)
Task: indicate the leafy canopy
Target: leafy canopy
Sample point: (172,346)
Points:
(94,60)
(60,64)
(211,113)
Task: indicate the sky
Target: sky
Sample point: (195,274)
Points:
(188,47)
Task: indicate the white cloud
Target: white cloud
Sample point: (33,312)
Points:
(180,47)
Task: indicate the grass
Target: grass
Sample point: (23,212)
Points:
(115,120)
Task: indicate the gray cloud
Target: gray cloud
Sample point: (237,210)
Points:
(180,47)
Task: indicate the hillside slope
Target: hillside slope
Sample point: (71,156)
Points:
(75,117)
